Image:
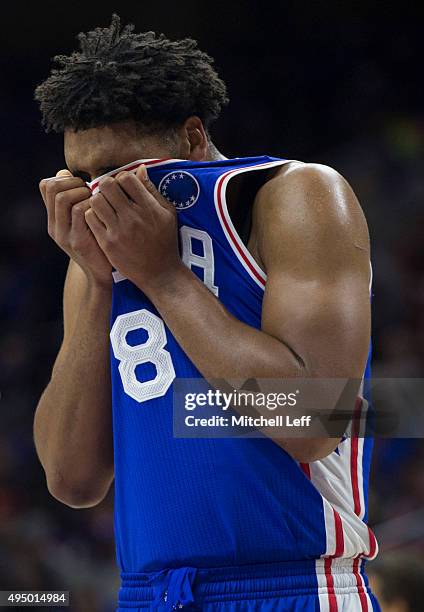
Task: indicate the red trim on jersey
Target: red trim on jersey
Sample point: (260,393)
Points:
(354,456)
(306,469)
(233,237)
(133,167)
(354,472)
(339,537)
(338,528)
(332,600)
(338,525)
(360,586)
(373,545)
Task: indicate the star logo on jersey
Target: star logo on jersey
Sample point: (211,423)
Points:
(180,188)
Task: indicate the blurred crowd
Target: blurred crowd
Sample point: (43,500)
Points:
(45,545)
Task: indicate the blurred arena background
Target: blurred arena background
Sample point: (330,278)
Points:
(332,82)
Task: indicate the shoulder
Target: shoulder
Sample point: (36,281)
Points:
(310,197)
(307,171)
(298,179)
(307,215)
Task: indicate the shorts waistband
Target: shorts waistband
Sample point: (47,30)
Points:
(175,588)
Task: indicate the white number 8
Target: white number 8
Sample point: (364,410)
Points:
(151,351)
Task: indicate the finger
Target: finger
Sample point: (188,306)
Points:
(79,224)
(103,210)
(138,193)
(63,203)
(59,174)
(143,177)
(96,226)
(113,193)
(50,187)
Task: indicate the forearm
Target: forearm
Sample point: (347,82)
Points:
(72,427)
(221,346)
(217,342)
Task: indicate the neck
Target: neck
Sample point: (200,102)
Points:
(214,154)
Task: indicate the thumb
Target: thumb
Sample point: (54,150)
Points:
(142,175)
(64,173)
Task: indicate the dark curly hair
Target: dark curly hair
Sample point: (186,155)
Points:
(118,75)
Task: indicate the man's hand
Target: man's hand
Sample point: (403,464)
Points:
(136,228)
(67,199)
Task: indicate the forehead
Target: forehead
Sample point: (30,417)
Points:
(108,146)
(95,145)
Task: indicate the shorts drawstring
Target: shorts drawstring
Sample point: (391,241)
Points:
(173,588)
(190,588)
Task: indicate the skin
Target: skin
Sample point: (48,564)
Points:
(308,233)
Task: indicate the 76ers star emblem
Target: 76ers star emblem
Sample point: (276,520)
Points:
(180,188)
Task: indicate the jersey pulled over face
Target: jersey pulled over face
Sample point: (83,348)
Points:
(215,502)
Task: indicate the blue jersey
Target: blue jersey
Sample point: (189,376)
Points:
(215,502)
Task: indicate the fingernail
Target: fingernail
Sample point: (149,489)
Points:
(143,171)
(57,178)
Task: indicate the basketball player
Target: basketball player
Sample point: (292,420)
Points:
(206,266)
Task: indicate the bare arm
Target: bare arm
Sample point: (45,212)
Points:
(313,242)
(72,425)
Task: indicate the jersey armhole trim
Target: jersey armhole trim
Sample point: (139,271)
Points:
(240,249)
